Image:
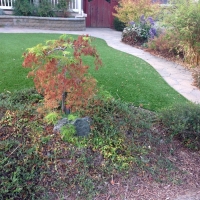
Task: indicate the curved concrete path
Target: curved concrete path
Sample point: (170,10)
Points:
(175,75)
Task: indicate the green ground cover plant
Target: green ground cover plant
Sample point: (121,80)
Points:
(124,76)
(183,122)
(39,164)
(125,141)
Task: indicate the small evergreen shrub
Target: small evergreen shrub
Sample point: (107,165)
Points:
(23,8)
(62,6)
(45,9)
(118,25)
(183,121)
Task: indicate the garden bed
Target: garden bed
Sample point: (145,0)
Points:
(48,23)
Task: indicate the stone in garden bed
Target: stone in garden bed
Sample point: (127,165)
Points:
(82,125)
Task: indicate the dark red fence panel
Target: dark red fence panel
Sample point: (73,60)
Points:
(99,13)
(112,10)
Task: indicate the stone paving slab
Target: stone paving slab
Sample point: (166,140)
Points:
(175,75)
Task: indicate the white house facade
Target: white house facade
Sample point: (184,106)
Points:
(74,5)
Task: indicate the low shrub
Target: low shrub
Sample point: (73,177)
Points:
(62,6)
(131,10)
(45,9)
(23,8)
(183,122)
(182,18)
(166,44)
(139,32)
(118,25)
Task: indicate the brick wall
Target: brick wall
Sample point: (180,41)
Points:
(48,23)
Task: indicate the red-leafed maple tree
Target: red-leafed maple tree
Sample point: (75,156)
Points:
(59,72)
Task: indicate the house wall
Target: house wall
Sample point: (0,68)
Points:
(48,23)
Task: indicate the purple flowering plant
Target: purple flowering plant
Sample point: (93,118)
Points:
(144,28)
(147,26)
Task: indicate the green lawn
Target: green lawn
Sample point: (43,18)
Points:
(124,76)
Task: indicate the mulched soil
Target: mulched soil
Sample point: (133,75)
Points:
(183,183)
(170,56)
(2,112)
(143,188)
(179,181)
(162,54)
